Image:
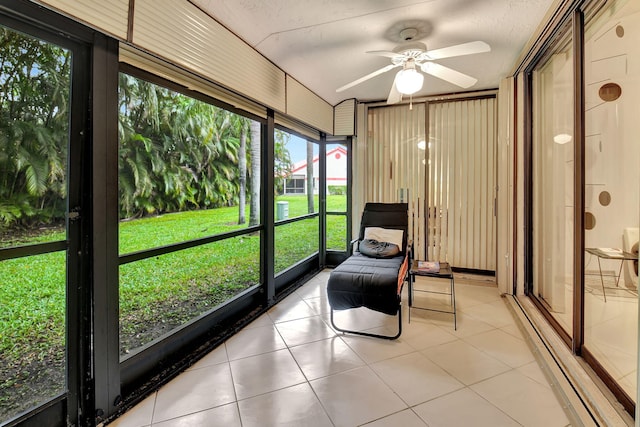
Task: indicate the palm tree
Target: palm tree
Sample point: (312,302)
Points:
(243,126)
(176,152)
(256,165)
(140,151)
(34,100)
(282,159)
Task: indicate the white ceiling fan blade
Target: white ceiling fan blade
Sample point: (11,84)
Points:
(459,50)
(367,77)
(387,53)
(447,74)
(394,94)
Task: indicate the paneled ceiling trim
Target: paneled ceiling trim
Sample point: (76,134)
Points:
(182,33)
(308,107)
(297,127)
(344,118)
(145,61)
(109,16)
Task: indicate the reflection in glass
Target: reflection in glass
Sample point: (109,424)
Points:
(612,191)
(553,198)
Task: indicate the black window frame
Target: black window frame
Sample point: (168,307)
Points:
(205,332)
(75,405)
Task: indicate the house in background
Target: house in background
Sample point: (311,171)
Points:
(296,182)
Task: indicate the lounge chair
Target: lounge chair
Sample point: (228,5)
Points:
(373,276)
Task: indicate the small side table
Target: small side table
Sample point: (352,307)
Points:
(605,253)
(444,273)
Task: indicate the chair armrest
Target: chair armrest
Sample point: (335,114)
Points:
(352,247)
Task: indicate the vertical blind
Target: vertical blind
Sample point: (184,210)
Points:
(395,163)
(462,183)
(448,179)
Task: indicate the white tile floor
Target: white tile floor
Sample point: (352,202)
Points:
(290,368)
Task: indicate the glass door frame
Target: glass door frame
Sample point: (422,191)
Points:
(333,257)
(75,405)
(574,16)
(573,340)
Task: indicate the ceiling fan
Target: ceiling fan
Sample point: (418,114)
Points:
(412,56)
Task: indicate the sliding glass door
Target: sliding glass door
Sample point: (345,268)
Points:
(553,181)
(585,189)
(612,191)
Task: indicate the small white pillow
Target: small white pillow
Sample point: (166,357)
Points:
(384,235)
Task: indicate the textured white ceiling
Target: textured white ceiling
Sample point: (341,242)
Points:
(322,43)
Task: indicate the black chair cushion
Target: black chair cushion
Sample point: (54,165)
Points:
(361,281)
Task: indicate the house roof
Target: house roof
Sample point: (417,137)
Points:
(302,164)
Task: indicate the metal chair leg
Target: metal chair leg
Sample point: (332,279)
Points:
(368,334)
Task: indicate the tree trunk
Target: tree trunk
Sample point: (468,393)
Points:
(310,177)
(254,202)
(242,171)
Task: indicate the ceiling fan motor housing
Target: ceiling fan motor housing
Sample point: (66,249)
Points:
(409,50)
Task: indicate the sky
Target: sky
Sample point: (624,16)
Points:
(298,148)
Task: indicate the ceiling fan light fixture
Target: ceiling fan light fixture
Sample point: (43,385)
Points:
(409,81)
(562,138)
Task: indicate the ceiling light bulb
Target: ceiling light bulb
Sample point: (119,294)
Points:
(409,81)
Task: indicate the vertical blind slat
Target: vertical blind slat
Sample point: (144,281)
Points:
(461,183)
(455,176)
(395,162)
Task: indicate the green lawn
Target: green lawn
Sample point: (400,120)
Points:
(156,294)
(158,289)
